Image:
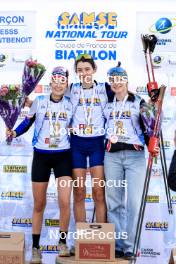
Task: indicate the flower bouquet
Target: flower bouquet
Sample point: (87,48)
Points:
(32,74)
(10,100)
(9,113)
(10,93)
(12,97)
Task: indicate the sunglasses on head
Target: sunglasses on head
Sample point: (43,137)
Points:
(58,79)
(118,79)
(85,56)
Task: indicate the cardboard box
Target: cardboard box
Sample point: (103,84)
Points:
(11,248)
(71,260)
(95,242)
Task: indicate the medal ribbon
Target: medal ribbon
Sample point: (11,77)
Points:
(53,131)
(88,113)
(120,112)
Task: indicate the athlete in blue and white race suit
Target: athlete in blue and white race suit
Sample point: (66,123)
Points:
(89,99)
(51,115)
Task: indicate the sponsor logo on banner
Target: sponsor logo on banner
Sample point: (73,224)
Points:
(15,168)
(167,144)
(49,248)
(156,172)
(12,195)
(163,26)
(17,29)
(153,199)
(142,90)
(157,61)
(173,199)
(52,222)
(19,142)
(92,33)
(172,61)
(3,59)
(51,196)
(173,91)
(23,222)
(88,198)
(23,114)
(166,119)
(156,226)
(42,89)
(149,252)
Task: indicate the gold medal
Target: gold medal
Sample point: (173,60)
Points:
(88,130)
(56,128)
(52,142)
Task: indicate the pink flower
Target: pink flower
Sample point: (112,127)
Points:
(31,63)
(4,91)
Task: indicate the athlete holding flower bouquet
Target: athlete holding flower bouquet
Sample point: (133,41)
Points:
(13,97)
(51,115)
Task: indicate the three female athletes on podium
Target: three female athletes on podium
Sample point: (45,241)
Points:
(88,121)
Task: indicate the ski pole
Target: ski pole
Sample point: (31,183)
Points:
(164,168)
(143,205)
(153,140)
